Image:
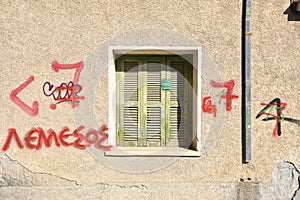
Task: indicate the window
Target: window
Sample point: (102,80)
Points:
(154,101)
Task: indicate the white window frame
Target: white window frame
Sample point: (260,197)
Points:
(196,51)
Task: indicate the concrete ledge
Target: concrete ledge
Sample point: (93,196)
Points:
(168,190)
(152,152)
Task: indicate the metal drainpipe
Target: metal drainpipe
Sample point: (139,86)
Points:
(246,81)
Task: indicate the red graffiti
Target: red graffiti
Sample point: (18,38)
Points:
(36,138)
(78,66)
(63,93)
(280,106)
(228,96)
(209,107)
(33,110)
(12,133)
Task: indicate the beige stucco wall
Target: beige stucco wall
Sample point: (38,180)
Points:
(275,74)
(33,34)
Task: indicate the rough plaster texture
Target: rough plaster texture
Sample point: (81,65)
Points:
(285,181)
(33,34)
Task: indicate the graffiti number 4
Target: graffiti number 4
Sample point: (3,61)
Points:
(280,106)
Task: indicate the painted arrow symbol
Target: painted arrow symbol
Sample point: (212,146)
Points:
(34,109)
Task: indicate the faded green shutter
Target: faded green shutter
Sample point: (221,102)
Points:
(153,101)
(131,108)
(180,112)
(128,96)
(176,102)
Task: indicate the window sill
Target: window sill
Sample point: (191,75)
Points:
(152,152)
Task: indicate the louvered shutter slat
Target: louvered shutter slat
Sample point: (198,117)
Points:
(154,112)
(153,126)
(153,81)
(130,96)
(177,95)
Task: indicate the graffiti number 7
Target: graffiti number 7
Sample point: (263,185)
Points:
(78,66)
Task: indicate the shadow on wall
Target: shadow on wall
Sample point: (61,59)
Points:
(293,11)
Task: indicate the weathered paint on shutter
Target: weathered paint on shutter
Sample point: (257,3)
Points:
(128,109)
(180,111)
(130,103)
(152,115)
(155,115)
(176,109)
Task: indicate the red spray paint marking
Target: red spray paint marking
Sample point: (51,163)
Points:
(208,107)
(78,66)
(36,137)
(228,96)
(12,133)
(280,106)
(105,136)
(33,110)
